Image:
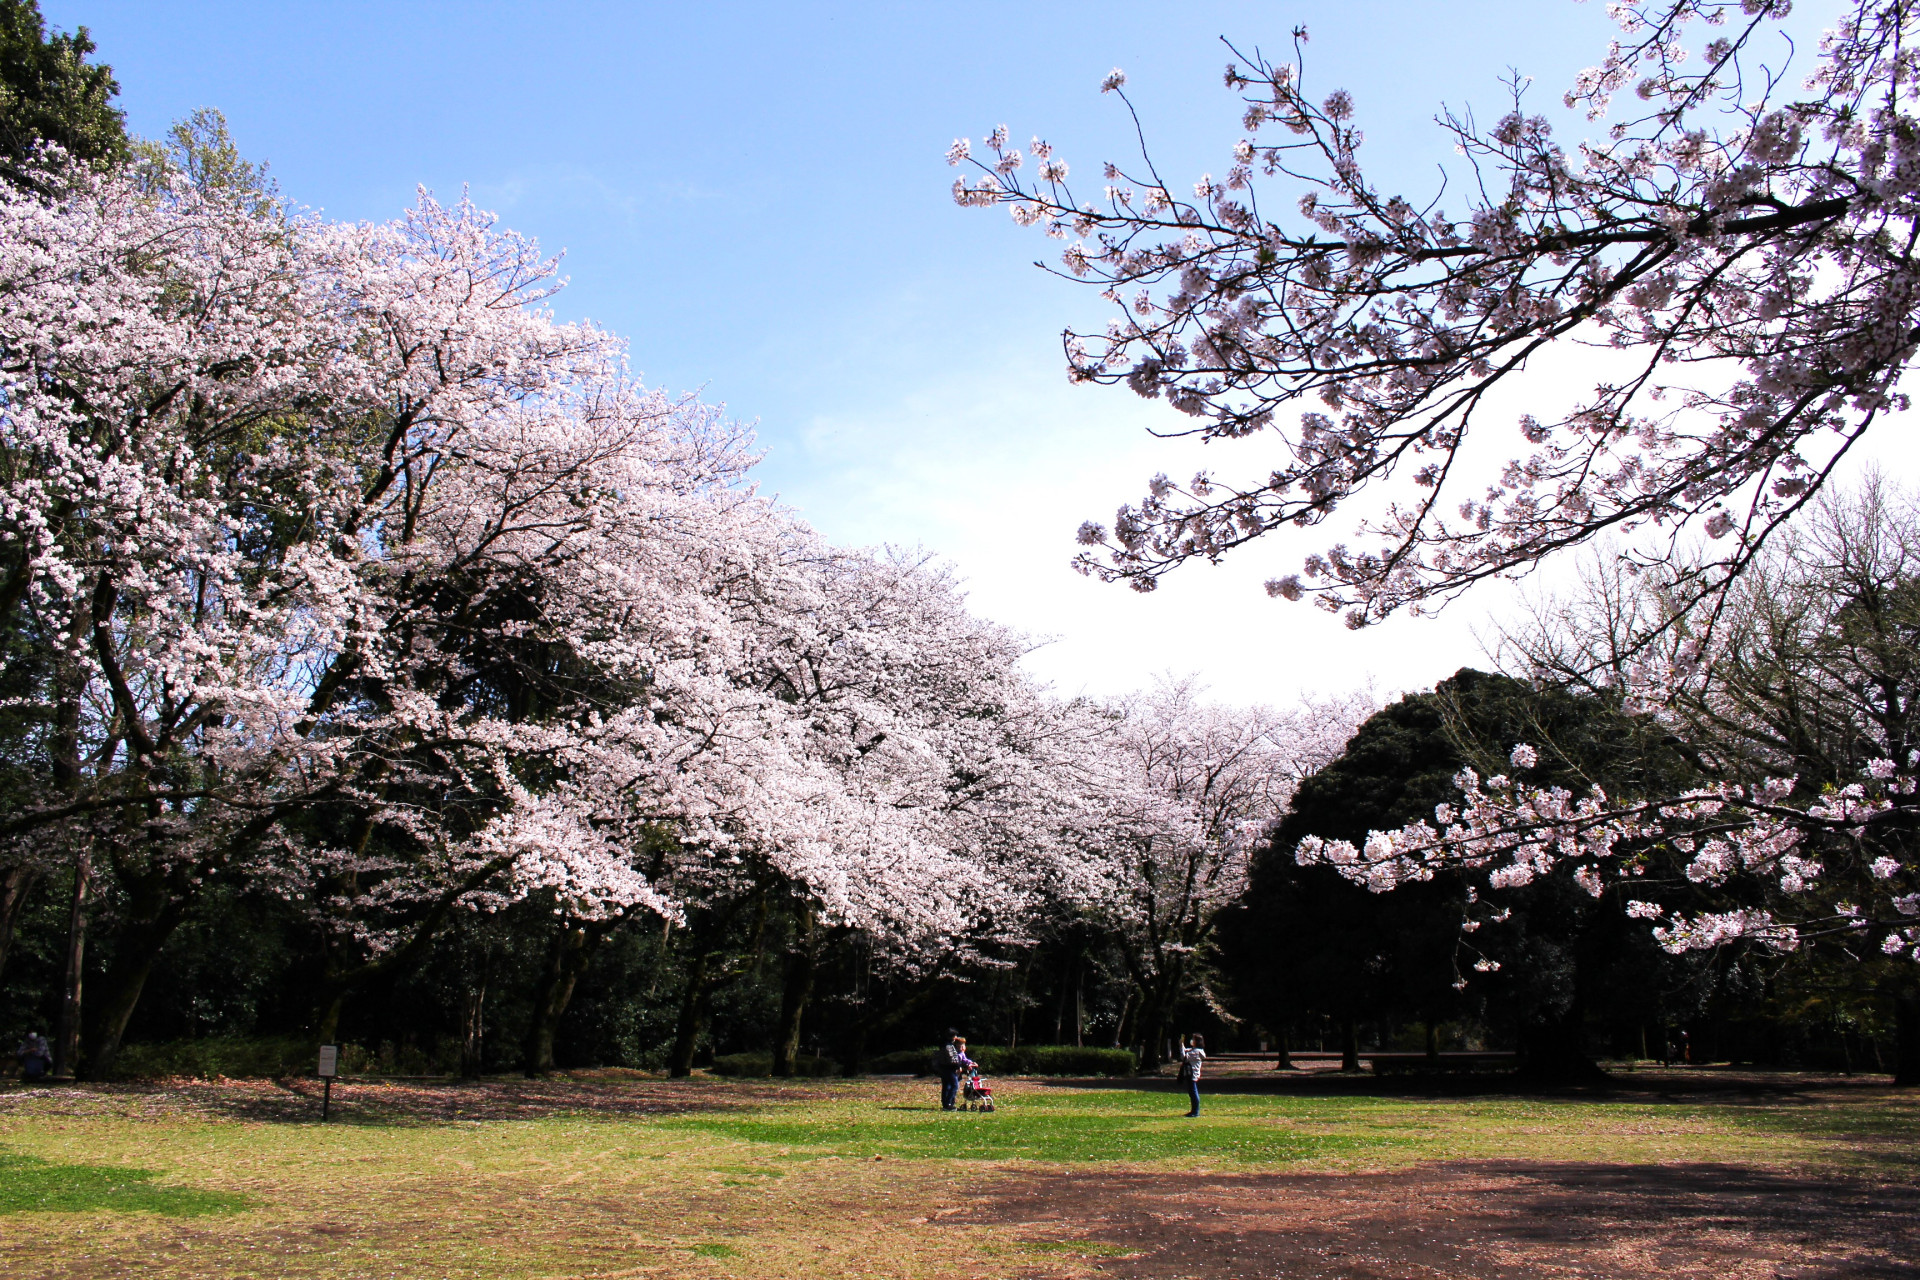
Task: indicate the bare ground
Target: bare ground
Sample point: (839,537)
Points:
(1487,1220)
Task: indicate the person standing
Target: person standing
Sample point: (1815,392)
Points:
(1192,1058)
(949,1058)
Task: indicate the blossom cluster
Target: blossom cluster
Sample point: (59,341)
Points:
(1517,833)
(1737,248)
(349,572)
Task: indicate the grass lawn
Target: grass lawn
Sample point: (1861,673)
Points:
(615,1176)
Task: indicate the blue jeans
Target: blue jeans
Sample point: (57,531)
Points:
(949,1091)
(1193,1092)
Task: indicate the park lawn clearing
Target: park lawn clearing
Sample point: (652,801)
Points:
(615,1176)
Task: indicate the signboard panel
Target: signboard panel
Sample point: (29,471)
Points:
(329,1059)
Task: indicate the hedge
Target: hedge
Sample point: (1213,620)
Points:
(761,1064)
(241,1057)
(1026,1060)
(219,1056)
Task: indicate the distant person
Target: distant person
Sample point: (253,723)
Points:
(1192,1058)
(948,1060)
(36,1057)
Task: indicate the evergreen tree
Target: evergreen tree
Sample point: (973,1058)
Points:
(49,92)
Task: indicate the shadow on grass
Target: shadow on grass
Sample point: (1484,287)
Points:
(30,1185)
(1489,1220)
(1648,1086)
(396,1103)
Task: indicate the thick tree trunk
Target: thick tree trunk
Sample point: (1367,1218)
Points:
(135,950)
(1349,1044)
(15,886)
(795,991)
(1433,1044)
(693,1018)
(1555,1050)
(1282,1057)
(1906,1041)
(566,960)
(329,1020)
(66,1042)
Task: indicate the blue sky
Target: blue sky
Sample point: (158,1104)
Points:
(755,195)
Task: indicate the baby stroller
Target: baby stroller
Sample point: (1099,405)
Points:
(976,1094)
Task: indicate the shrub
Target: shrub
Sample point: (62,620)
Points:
(761,1064)
(218,1056)
(1026,1060)
(1055,1060)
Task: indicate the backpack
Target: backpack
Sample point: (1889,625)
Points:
(942,1062)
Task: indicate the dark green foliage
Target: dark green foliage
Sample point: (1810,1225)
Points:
(1054,1060)
(761,1064)
(235,1057)
(1023,1060)
(29,1185)
(1307,942)
(49,92)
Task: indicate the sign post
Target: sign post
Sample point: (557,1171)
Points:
(329,1068)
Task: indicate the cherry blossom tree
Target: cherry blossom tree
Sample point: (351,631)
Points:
(1735,241)
(1190,787)
(923,783)
(337,542)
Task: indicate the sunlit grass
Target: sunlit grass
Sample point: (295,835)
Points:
(30,1185)
(834,1179)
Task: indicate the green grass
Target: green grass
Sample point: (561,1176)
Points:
(31,1185)
(719,1179)
(1041,1135)
(1067,1126)
(1078,1248)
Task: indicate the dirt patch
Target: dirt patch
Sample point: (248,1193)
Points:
(374,1101)
(1487,1220)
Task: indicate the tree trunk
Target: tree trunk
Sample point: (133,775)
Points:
(1349,1044)
(795,991)
(1906,1041)
(693,1018)
(66,1042)
(150,925)
(566,960)
(473,1043)
(1079,1004)
(1554,1050)
(14,888)
(1123,1029)
(1282,1058)
(1433,1044)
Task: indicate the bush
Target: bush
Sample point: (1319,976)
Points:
(901,1062)
(761,1064)
(1027,1060)
(218,1056)
(240,1057)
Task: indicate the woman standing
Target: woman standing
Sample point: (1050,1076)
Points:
(1192,1058)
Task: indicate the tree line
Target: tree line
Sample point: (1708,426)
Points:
(355,605)
(384,662)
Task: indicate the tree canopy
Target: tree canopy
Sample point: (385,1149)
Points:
(51,93)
